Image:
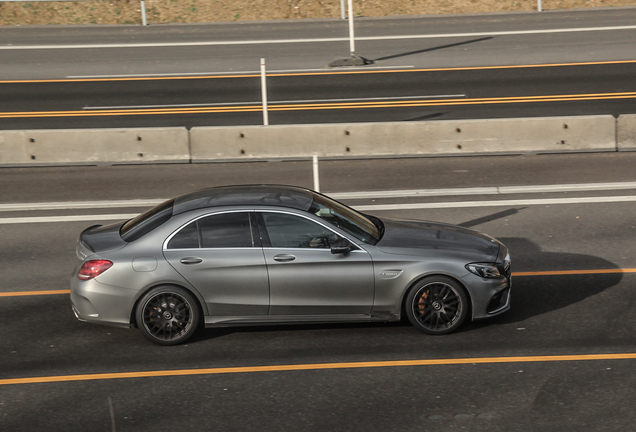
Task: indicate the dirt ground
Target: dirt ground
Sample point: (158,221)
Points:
(189,11)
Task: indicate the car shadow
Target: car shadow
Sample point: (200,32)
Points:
(531,295)
(405,54)
(534,295)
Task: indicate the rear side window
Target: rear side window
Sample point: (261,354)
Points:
(227,230)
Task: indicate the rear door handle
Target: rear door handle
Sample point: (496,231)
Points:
(284,258)
(191,260)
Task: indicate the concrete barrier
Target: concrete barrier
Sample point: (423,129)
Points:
(78,146)
(445,137)
(626,132)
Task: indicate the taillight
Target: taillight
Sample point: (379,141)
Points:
(93,268)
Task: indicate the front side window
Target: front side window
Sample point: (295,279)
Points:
(226,230)
(290,231)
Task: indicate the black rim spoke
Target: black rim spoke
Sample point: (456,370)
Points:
(437,306)
(167,316)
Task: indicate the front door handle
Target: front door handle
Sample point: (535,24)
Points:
(284,258)
(191,260)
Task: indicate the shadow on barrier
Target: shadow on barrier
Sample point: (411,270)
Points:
(426,117)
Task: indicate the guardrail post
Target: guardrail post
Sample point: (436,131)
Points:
(264,92)
(143,13)
(352,43)
(316,174)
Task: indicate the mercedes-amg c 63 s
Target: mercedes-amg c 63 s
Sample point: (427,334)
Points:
(254,255)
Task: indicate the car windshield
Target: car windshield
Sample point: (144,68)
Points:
(364,228)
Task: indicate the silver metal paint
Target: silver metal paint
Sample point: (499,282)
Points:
(245,286)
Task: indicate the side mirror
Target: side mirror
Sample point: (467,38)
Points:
(341,246)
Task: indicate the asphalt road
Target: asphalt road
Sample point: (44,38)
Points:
(498,374)
(423,68)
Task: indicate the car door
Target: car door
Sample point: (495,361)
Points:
(305,278)
(219,255)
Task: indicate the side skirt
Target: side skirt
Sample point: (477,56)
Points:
(230,321)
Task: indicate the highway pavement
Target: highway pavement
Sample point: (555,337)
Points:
(424,68)
(560,359)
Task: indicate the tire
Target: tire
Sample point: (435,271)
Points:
(437,305)
(167,315)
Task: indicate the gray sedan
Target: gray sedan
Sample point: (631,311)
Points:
(248,255)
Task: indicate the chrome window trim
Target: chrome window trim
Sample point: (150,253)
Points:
(310,249)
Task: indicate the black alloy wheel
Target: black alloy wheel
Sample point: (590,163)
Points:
(167,315)
(437,305)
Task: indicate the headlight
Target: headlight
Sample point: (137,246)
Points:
(483,270)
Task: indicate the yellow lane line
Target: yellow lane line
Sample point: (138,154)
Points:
(574,272)
(33,293)
(515,274)
(287,74)
(323,106)
(318,366)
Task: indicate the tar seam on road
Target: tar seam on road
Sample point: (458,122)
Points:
(319,366)
(327,72)
(515,274)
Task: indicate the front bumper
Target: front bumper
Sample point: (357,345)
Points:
(490,297)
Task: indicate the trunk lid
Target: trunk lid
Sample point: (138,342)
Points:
(99,238)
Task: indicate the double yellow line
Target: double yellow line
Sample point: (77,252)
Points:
(321,106)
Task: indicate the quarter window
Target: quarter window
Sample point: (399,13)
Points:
(187,238)
(289,231)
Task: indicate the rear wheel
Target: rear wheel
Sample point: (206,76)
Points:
(437,305)
(167,315)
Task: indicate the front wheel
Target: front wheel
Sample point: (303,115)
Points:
(437,305)
(167,315)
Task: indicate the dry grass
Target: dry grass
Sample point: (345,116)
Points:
(189,11)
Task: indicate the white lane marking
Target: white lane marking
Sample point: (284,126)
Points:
(77,205)
(278,102)
(269,72)
(316,40)
(414,193)
(499,203)
(379,207)
(500,190)
(72,218)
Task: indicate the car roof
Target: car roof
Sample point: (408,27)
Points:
(247,195)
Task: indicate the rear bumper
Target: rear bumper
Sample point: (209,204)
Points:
(101,304)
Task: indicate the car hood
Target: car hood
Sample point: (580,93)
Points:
(402,235)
